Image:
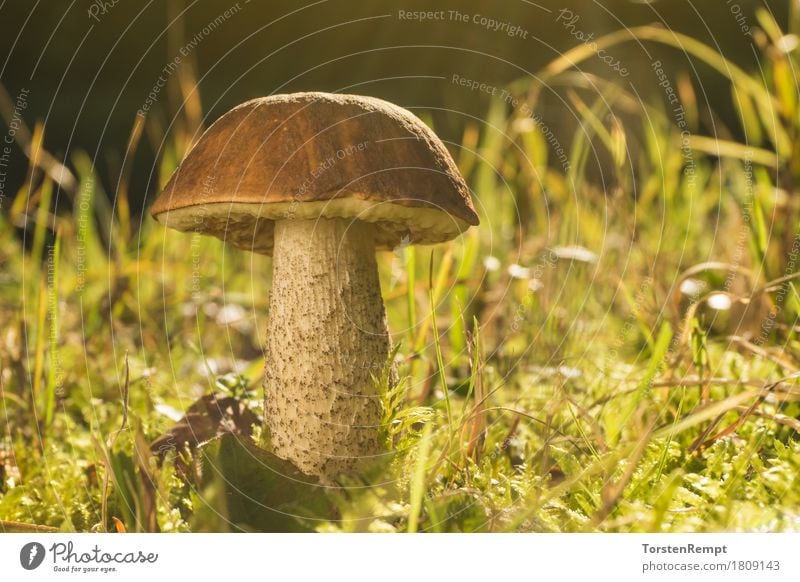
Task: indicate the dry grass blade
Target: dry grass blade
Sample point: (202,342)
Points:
(733,427)
(776,284)
(668,37)
(708,412)
(477,426)
(699,443)
(597,430)
(39,157)
(723,148)
(777,418)
(704,441)
(759,351)
(782,391)
(121,198)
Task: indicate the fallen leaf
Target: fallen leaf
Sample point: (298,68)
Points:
(119,525)
(209,418)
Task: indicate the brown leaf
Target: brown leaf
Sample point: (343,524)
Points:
(210,417)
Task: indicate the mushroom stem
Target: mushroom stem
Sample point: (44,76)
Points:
(327,337)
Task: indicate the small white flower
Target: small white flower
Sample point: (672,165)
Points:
(519,272)
(569,373)
(692,287)
(575,253)
(491,263)
(168,411)
(231,313)
(719,301)
(787,43)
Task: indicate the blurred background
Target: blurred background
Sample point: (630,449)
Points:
(615,348)
(91,66)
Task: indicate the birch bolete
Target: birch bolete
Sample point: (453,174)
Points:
(320,182)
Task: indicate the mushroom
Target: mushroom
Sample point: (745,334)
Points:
(320,182)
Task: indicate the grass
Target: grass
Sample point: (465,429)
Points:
(563,366)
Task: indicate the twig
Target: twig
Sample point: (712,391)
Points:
(19,527)
(775,284)
(781,419)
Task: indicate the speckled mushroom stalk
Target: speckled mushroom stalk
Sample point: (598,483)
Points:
(320,182)
(327,338)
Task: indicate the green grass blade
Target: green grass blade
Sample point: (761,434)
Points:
(53,372)
(418,480)
(438,346)
(42,218)
(410,257)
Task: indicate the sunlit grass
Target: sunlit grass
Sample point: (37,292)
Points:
(556,374)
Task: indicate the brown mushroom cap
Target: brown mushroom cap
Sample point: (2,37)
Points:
(309,155)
